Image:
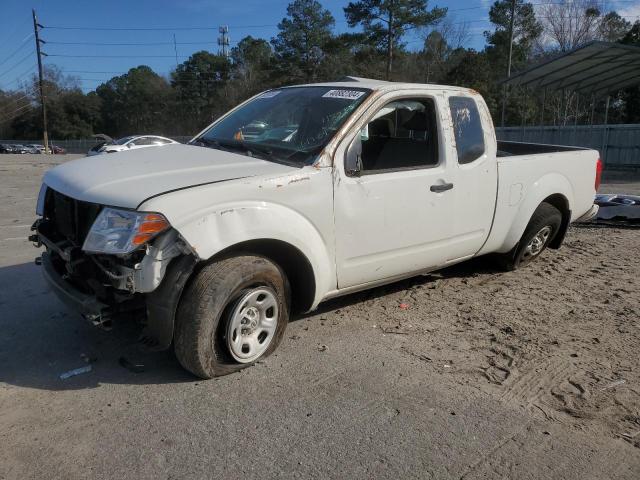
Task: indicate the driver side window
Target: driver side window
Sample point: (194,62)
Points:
(402,135)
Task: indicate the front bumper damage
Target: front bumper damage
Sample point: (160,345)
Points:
(87,305)
(145,285)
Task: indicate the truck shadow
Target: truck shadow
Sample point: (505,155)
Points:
(470,268)
(42,339)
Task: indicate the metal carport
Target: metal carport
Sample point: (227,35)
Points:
(596,69)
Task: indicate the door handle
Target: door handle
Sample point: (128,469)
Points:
(441,187)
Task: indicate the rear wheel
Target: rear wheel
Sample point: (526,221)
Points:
(542,228)
(234,313)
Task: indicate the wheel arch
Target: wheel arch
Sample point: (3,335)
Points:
(554,189)
(162,303)
(295,265)
(562,204)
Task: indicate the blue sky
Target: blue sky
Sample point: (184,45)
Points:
(94,64)
(244,17)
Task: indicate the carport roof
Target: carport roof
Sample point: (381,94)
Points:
(596,68)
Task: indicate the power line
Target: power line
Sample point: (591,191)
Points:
(13,115)
(94,71)
(22,45)
(158,29)
(126,29)
(22,60)
(24,95)
(133,44)
(19,77)
(16,100)
(114,56)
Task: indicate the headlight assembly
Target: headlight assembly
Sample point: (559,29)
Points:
(120,232)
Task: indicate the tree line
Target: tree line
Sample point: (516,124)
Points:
(307,49)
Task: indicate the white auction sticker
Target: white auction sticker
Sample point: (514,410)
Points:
(346,94)
(269,94)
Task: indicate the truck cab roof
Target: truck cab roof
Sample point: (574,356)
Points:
(384,85)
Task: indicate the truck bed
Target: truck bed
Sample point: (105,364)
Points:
(512,149)
(529,173)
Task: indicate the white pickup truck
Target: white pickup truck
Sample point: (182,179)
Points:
(298,195)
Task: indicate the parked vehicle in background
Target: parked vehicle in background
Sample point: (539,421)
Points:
(344,186)
(17,148)
(56,149)
(36,148)
(6,148)
(129,143)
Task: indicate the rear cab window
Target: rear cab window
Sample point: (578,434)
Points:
(467,128)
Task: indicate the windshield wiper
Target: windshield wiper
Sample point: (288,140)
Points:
(253,148)
(250,149)
(207,142)
(237,145)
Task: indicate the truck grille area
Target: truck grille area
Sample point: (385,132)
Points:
(67,218)
(65,225)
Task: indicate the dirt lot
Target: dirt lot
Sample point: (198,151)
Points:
(468,373)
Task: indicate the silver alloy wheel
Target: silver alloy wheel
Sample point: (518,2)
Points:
(537,243)
(252,325)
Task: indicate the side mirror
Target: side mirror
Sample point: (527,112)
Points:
(353,158)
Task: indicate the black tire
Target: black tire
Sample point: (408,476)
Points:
(204,312)
(546,215)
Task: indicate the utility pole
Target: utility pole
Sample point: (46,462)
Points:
(223,40)
(505,89)
(36,27)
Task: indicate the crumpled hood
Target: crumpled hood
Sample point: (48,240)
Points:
(127,179)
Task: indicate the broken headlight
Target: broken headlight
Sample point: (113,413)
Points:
(120,232)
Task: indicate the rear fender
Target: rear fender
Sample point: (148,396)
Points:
(546,186)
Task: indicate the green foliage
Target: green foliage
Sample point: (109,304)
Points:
(134,102)
(632,37)
(199,89)
(252,70)
(526,30)
(304,33)
(306,49)
(385,22)
(613,27)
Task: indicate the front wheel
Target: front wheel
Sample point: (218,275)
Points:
(542,228)
(233,313)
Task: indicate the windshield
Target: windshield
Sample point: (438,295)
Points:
(290,125)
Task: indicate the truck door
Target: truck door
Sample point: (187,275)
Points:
(393,213)
(474,174)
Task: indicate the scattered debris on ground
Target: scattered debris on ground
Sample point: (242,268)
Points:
(132,367)
(618,207)
(75,372)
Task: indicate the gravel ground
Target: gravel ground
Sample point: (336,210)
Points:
(466,373)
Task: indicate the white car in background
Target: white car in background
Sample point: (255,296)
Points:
(35,148)
(130,143)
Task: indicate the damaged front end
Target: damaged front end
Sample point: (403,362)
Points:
(105,263)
